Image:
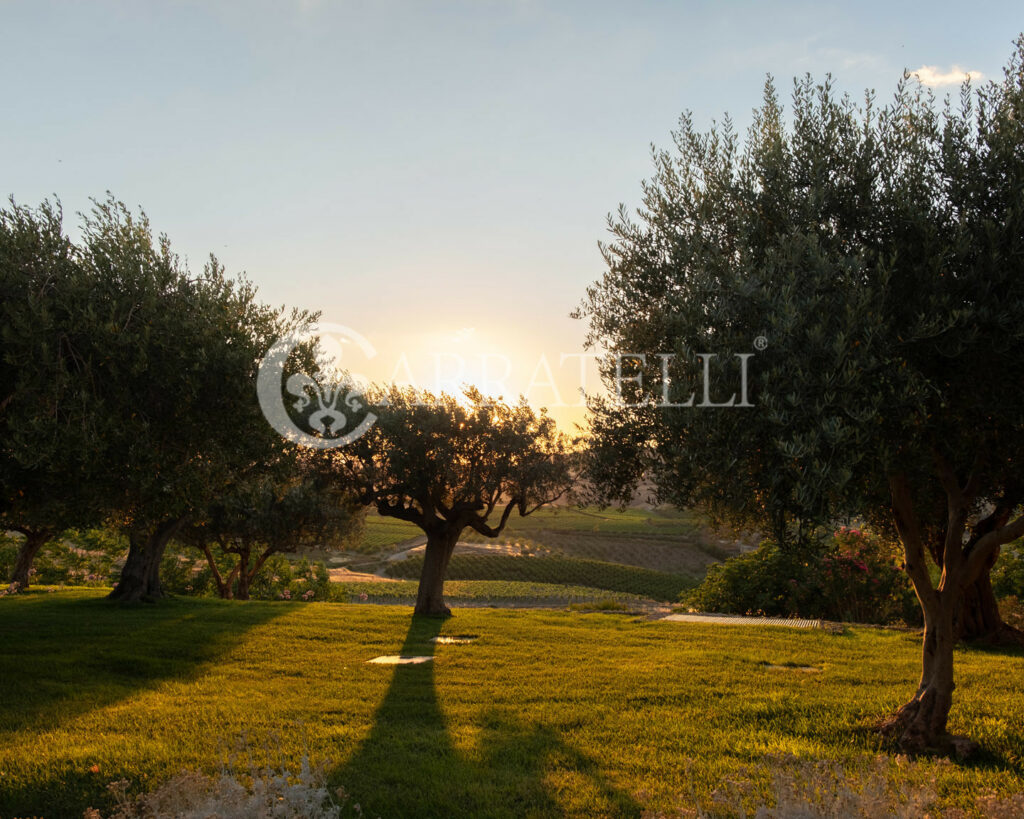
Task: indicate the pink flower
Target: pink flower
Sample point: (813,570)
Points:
(364,597)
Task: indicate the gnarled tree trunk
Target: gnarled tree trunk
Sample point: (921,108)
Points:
(140,577)
(978,618)
(920,725)
(34,540)
(965,557)
(430,596)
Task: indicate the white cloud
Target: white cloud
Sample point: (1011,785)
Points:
(936,78)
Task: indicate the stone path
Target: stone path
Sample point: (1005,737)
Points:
(736,620)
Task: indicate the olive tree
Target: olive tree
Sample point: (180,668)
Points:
(176,357)
(52,428)
(446,465)
(298,509)
(870,262)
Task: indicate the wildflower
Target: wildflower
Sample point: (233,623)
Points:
(364,597)
(94,769)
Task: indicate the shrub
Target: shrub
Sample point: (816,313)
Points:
(75,558)
(182,573)
(8,555)
(852,576)
(280,580)
(1008,573)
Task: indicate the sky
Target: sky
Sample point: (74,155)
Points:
(433,176)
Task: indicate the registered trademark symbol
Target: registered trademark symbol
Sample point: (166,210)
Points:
(761,343)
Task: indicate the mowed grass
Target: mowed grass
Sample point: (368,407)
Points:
(546,713)
(595,574)
(488,592)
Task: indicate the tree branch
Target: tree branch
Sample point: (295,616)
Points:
(480,524)
(986,544)
(910,534)
(397,510)
(957,506)
(217,578)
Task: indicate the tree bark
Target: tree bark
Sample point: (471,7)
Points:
(223,589)
(140,577)
(242,586)
(34,540)
(978,618)
(430,597)
(920,725)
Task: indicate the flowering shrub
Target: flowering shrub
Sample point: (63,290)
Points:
(281,580)
(74,558)
(851,575)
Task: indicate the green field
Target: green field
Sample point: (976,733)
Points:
(593,574)
(484,592)
(664,540)
(547,713)
(384,534)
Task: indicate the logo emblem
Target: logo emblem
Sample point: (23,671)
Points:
(323,408)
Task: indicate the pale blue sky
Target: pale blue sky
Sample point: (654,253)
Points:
(414,169)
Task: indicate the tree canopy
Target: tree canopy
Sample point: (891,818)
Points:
(876,254)
(53,426)
(446,465)
(129,382)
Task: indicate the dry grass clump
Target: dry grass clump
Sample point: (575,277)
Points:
(266,793)
(818,789)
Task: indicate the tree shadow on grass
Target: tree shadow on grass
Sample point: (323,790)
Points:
(62,657)
(408,765)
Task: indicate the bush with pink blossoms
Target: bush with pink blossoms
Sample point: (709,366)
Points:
(847,575)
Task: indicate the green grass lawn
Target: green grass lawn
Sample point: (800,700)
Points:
(482,592)
(595,574)
(547,713)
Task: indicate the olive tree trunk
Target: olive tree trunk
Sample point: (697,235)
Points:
(978,618)
(140,577)
(965,557)
(430,597)
(920,725)
(34,541)
(244,577)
